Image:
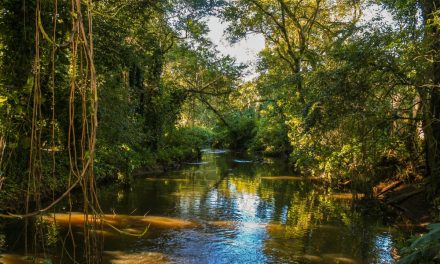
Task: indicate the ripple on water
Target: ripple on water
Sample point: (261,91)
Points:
(383,245)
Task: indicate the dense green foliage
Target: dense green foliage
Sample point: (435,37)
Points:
(352,97)
(340,96)
(345,97)
(149,67)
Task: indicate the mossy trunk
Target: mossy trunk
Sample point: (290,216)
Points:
(432,113)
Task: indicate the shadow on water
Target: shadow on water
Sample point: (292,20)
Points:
(227,208)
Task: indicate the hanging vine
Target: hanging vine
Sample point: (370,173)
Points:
(83,106)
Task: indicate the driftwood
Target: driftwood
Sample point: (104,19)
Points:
(345,184)
(389,187)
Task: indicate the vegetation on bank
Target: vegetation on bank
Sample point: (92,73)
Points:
(343,97)
(90,91)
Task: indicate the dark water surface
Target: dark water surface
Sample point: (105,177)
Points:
(228,210)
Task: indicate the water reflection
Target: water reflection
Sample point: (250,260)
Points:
(120,257)
(223,211)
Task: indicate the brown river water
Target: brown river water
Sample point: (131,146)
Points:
(224,209)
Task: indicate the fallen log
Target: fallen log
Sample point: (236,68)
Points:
(402,197)
(389,187)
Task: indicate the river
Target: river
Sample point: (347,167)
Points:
(225,208)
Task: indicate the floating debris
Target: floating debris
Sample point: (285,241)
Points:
(197,163)
(214,151)
(242,161)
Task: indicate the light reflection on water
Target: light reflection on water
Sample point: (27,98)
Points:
(383,245)
(241,218)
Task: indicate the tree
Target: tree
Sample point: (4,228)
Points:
(297,32)
(422,16)
(430,94)
(202,75)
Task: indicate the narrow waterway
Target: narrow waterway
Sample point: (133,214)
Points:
(225,208)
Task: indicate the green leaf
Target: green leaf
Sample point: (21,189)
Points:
(432,236)
(421,256)
(434,226)
(3,99)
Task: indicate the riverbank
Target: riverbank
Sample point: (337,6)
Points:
(411,200)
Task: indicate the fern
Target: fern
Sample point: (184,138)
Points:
(425,249)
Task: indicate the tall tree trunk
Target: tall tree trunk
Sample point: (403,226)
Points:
(432,127)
